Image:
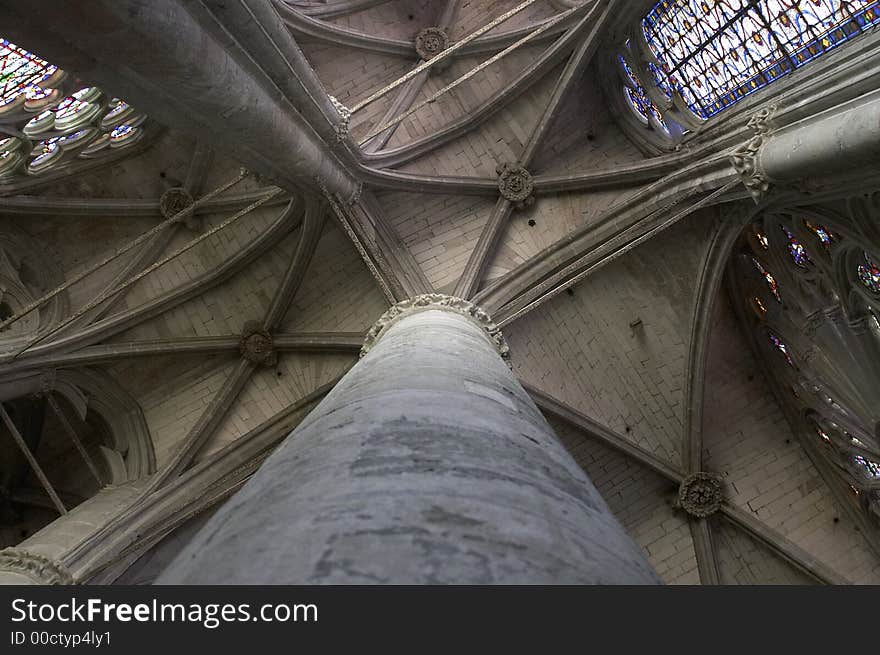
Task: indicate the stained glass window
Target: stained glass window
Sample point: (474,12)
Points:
(716,52)
(796,249)
(52,130)
(638,97)
(762,239)
(21,71)
(822,233)
(871,469)
(869,274)
(771,281)
(781,347)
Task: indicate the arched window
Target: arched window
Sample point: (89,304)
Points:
(718,52)
(57,122)
(821,340)
(64,438)
(695,58)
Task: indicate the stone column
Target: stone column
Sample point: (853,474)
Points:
(427,463)
(173,61)
(843,140)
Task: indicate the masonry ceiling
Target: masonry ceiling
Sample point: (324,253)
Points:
(607,348)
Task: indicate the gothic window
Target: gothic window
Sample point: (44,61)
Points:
(638,100)
(22,72)
(822,343)
(869,274)
(781,347)
(822,234)
(768,277)
(84,433)
(795,249)
(688,60)
(870,468)
(57,123)
(715,53)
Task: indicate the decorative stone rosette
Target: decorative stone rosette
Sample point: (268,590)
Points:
(700,494)
(516,185)
(442,302)
(256,345)
(39,569)
(430,42)
(174,201)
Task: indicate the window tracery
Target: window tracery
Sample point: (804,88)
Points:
(53,123)
(115,447)
(822,339)
(700,57)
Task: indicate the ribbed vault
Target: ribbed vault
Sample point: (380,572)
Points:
(606,278)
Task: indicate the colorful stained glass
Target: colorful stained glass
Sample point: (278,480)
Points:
(822,233)
(717,52)
(638,97)
(21,71)
(796,249)
(871,468)
(781,347)
(771,281)
(762,239)
(869,274)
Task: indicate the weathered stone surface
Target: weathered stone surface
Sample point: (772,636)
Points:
(427,463)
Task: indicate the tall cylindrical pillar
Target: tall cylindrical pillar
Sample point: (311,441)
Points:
(427,463)
(170,59)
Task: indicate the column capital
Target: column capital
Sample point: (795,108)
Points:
(427,301)
(39,569)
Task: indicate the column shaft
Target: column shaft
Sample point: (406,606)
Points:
(840,139)
(427,463)
(158,56)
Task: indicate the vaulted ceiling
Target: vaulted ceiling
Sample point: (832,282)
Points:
(605,282)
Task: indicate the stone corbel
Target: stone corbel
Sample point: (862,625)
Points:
(747,158)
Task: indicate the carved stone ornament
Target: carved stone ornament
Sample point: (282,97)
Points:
(760,122)
(442,302)
(40,569)
(430,42)
(746,158)
(516,185)
(344,124)
(174,201)
(700,494)
(255,344)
